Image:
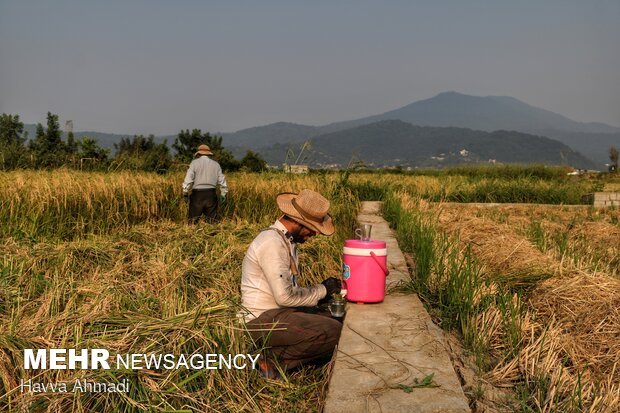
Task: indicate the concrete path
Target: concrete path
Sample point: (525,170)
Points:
(384,348)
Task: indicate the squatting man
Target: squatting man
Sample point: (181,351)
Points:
(281,316)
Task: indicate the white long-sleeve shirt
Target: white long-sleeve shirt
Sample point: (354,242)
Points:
(267,281)
(205,173)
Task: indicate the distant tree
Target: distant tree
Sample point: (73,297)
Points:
(135,146)
(613,157)
(89,148)
(12,150)
(158,158)
(11,130)
(226,160)
(91,155)
(35,146)
(253,162)
(186,144)
(39,137)
(48,148)
(71,143)
(53,134)
(124,147)
(71,149)
(142,153)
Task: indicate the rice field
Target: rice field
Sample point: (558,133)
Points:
(534,291)
(106,260)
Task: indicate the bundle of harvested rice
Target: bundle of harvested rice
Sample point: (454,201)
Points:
(587,312)
(542,363)
(570,337)
(502,251)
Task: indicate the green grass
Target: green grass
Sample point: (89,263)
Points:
(446,277)
(520,190)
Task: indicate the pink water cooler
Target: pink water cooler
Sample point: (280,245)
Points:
(364,268)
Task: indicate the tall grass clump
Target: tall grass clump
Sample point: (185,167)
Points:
(446,277)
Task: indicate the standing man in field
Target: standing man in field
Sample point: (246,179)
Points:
(203,177)
(279,314)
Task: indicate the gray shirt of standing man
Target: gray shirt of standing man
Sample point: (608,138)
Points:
(203,177)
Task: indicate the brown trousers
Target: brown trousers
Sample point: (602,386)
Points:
(202,202)
(294,337)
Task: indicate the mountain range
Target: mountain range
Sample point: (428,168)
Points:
(452,109)
(390,143)
(430,132)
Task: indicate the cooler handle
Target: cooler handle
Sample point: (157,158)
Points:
(374,257)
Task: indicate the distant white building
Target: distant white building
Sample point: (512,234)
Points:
(296,169)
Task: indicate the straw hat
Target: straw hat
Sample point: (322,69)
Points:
(203,150)
(309,208)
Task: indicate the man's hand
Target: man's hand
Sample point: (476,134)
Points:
(332,285)
(185,196)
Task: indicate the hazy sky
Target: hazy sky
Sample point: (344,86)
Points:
(137,66)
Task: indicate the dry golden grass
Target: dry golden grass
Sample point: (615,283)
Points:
(154,284)
(586,309)
(571,332)
(504,253)
(588,237)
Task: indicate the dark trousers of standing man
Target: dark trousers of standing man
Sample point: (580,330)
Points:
(202,201)
(293,337)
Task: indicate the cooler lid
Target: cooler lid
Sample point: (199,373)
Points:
(372,244)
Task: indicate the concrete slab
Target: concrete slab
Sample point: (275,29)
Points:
(389,344)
